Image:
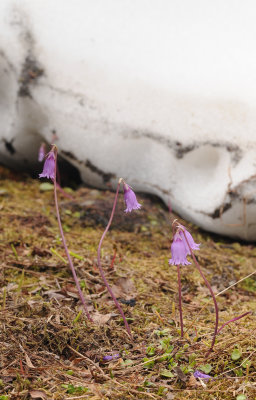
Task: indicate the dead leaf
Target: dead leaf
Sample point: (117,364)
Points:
(180,374)
(90,307)
(53,294)
(41,252)
(28,361)
(38,394)
(127,285)
(192,382)
(57,318)
(170,396)
(73,295)
(124,288)
(101,319)
(69,288)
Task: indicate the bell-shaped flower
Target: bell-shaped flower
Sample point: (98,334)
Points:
(130,199)
(199,374)
(192,244)
(49,166)
(179,251)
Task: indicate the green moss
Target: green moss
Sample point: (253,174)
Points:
(43,325)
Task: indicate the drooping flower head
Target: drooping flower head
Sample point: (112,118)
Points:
(179,251)
(192,244)
(199,374)
(130,199)
(49,166)
(110,358)
(180,248)
(41,152)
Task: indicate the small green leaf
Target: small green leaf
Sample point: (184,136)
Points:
(70,372)
(76,255)
(164,332)
(178,355)
(68,190)
(206,368)
(83,285)
(186,369)
(192,359)
(46,186)
(241,397)
(3,397)
(66,228)
(76,319)
(172,364)
(148,383)
(148,364)
(166,373)
(236,354)
(71,389)
(239,372)
(57,254)
(246,363)
(127,363)
(161,390)
(165,356)
(151,351)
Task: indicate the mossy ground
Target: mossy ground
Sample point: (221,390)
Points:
(48,348)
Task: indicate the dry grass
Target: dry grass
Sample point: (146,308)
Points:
(48,348)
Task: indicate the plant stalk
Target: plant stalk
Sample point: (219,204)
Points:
(212,294)
(233,320)
(65,244)
(180,304)
(100,267)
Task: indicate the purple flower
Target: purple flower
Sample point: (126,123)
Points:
(49,166)
(192,244)
(110,358)
(41,152)
(198,374)
(179,251)
(130,199)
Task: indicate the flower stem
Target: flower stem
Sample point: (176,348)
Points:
(180,305)
(212,294)
(65,244)
(233,320)
(100,267)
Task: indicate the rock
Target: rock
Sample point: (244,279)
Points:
(162,94)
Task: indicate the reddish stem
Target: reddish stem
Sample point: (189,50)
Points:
(233,320)
(212,294)
(65,245)
(100,267)
(65,194)
(180,305)
(113,260)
